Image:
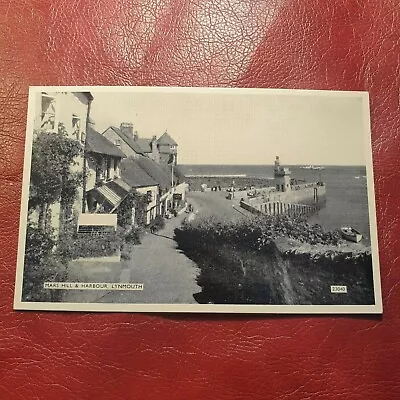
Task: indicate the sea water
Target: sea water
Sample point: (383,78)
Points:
(346,190)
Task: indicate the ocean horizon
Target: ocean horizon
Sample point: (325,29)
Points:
(346,190)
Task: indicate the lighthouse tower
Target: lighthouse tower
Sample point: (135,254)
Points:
(281,177)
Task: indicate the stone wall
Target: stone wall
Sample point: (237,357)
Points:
(308,194)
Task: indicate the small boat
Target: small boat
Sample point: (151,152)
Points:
(351,234)
(313,167)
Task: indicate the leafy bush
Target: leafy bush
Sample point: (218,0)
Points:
(240,263)
(41,265)
(90,245)
(157,224)
(132,200)
(258,233)
(134,236)
(52,180)
(38,244)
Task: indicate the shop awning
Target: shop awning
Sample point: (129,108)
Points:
(111,194)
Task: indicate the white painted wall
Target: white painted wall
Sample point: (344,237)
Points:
(151,209)
(67,106)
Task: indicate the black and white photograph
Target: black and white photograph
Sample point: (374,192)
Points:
(156,199)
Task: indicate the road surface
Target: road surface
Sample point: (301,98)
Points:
(167,275)
(215,204)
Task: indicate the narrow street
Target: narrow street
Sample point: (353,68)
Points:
(168,276)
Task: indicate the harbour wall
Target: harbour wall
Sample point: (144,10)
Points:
(279,208)
(301,200)
(310,193)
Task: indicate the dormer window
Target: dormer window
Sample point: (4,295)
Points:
(48,115)
(118,142)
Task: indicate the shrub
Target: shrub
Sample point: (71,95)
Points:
(134,236)
(132,200)
(51,179)
(41,265)
(239,263)
(90,245)
(157,224)
(38,244)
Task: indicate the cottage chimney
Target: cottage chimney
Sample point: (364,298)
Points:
(155,154)
(127,128)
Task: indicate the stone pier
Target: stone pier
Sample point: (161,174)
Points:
(280,208)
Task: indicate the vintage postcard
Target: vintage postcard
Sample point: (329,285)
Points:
(155,199)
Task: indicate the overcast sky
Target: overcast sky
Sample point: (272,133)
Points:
(243,127)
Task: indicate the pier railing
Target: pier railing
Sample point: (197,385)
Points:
(280,208)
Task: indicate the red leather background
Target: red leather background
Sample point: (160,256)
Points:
(313,44)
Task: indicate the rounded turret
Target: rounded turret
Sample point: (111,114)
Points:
(281,177)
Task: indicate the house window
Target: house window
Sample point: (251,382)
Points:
(48,115)
(118,142)
(76,126)
(116,168)
(99,174)
(109,168)
(149,196)
(99,169)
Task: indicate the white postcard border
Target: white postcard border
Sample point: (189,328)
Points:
(377,308)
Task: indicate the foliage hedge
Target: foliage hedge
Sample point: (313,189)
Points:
(239,263)
(157,224)
(41,265)
(258,233)
(91,245)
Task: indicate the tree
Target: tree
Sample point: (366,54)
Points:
(52,181)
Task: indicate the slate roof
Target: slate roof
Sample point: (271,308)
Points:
(155,171)
(119,186)
(97,143)
(178,175)
(134,175)
(122,184)
(166,139)
(144,144)
(178,172)
(128,139)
